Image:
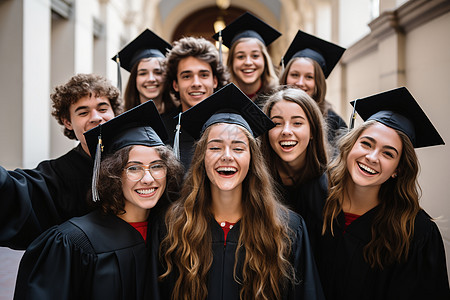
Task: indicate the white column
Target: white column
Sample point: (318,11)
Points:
(36,81)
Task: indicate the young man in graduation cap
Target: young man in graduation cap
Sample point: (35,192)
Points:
(228,211)
(378,243)
(309,60)
(248,60)
(56,190)
(144,58)
(104,254)
(193,73)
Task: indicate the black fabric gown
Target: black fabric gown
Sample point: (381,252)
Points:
(34,200)
(170,120)
(96,256)
(307,199)
(345,274)
(221,283)
(335,124)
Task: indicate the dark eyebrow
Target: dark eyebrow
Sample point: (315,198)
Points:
(374,141)
(80,108)
(221,141)
(215,141)
(140,163)
(293,117)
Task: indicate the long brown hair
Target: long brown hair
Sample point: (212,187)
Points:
(393,226)
(320,89)
(264,233)
(132,97)
(316,152)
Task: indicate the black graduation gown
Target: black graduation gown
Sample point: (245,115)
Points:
(307,199)
(221,283)
(345,274)
(34,200)
(334,125)
(91,257)
(186,141)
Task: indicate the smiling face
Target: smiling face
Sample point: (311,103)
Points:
(301,75)
(195,81)
(375,156)
(248,64)
(141,196)
(87,113)
(149,79)
(291,135)
(227,158)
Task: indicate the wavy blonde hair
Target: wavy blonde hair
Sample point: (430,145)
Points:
(393,226)
(264,235)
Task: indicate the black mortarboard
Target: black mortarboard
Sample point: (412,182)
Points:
(140,125)
(326,54)
(228,105)
(146,45)
(399,110)
(247,25)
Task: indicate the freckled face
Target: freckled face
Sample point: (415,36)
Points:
(301,75)
(375,156)
(227,158)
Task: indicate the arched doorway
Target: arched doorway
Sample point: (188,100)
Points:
(201,22)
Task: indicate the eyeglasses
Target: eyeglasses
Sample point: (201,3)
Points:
(137,172)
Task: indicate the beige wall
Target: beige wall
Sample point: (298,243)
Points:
(409,46)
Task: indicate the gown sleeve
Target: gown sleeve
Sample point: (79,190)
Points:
(33,200)
(309,286)
(59,264)
(424,275)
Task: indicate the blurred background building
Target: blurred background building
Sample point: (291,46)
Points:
(389,43)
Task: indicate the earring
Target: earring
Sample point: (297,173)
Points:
(394,175)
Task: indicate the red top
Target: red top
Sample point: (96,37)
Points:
(226,227)
(141,227)
(349,218)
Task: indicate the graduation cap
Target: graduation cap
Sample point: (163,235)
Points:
(399,110)
(247,25)
(145,45)
(140,125)
(228,105)
(326,54)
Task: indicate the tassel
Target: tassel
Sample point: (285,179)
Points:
(282,65)
(95,173)
(353,117)
(220,46)
(176,140)
(119,76)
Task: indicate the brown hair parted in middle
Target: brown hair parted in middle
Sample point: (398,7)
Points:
(316,152)
(393,226)
(109,185)
(264,232)
(320,89)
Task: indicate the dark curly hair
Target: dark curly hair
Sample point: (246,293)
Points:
(199,48)
(109,185)
(79,86)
